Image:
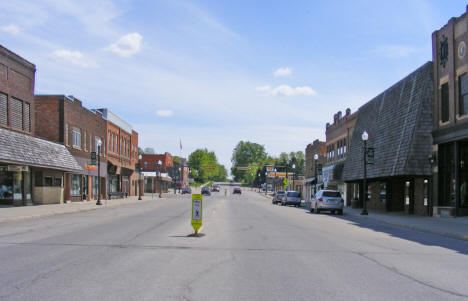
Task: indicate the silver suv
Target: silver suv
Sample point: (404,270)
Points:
(327,200)
(291,198)
(278,197)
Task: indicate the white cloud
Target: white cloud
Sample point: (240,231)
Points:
(127,45)
(11,29)
(395,51)
(285,71)
(285,90)
(164,113)
(74,58)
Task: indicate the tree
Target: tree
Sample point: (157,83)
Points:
(248,155)
(204,166)
(148,150)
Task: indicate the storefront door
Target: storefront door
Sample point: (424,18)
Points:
(463,172)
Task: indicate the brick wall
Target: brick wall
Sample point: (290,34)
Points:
(47,118)
(316,147)
(17,78)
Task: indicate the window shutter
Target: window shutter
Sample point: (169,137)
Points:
(3,109)
(27,117)
(16,118)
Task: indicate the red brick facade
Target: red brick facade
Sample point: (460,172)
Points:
(17,78)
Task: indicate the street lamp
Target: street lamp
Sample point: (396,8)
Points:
(159,177)
(180,179)
(139,177)
(365,137)
(315,173)
(266,182)
(274,182)
(294,174)
(99,174)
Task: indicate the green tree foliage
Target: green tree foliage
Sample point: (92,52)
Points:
(148,150)
(204,166)
(250,155)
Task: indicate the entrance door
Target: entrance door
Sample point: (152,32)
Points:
(463,169)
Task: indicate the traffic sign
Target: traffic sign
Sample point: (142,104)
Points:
(370,155)
(197,212)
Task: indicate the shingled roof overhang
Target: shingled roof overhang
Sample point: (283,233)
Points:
(399,123)
(21,149)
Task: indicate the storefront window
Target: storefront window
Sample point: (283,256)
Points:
(383,192)
(75,187)
(6,184)
(113,183)
(407,192)
(17,185)
(48,181)
(95,186)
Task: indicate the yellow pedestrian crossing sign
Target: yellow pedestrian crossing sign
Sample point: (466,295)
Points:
(197,212)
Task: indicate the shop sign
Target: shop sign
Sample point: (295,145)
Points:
(93,158)
(18,168)
(90,166)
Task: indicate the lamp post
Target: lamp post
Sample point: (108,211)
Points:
(274,182)
(159,177)
(315,173)
(365,137)
(99,174)
(294,175)
(180,178)
(266,182)
(139,177)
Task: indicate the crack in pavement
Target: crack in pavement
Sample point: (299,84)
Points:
(398,272)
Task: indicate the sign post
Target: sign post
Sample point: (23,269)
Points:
(197,212)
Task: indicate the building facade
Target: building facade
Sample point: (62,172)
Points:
(338,141)
(157,176)
(122,154)
(399,127)
(450,127)
(63,119)
(312,178)
(32,170)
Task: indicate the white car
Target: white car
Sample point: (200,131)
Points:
(327,200)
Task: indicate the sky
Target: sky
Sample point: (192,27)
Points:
(211,73)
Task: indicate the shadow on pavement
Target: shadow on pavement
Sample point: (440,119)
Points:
(425,238)
(189,235)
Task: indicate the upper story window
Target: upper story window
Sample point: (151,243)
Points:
(76,137)
(463,94)
(16,114)
(3,109)
(444,103)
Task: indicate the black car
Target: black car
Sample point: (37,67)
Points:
(237,190)
(186,190)
(205,191)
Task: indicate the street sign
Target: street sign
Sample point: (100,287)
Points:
(93,158)
(137,167)
(369,155)
(197,212)
(286,182)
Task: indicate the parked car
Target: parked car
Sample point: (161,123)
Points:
(291,198)
(278,197)
(327,200)
(205,191)
(186,190)
(215,188)
(237,190)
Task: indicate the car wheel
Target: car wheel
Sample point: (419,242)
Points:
(317,211)
(311,209)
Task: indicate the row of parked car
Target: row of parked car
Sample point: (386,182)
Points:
(324,200)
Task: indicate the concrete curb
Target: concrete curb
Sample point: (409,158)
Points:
(49,214)
(411,227)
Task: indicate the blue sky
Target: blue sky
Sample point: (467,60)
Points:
(212,73)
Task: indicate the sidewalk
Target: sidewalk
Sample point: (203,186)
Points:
(450,227)
(10,213)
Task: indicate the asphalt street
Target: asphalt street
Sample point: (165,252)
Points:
(249,250)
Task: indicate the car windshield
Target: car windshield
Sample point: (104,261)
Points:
(293,194)
(280,192)
(332,194)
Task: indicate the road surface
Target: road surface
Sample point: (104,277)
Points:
(249,250)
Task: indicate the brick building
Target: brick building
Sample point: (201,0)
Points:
(64,120)
(32,170)
(156,169)
(450,126)
(312,179)
(399,125)
(122,154)
(338,140)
